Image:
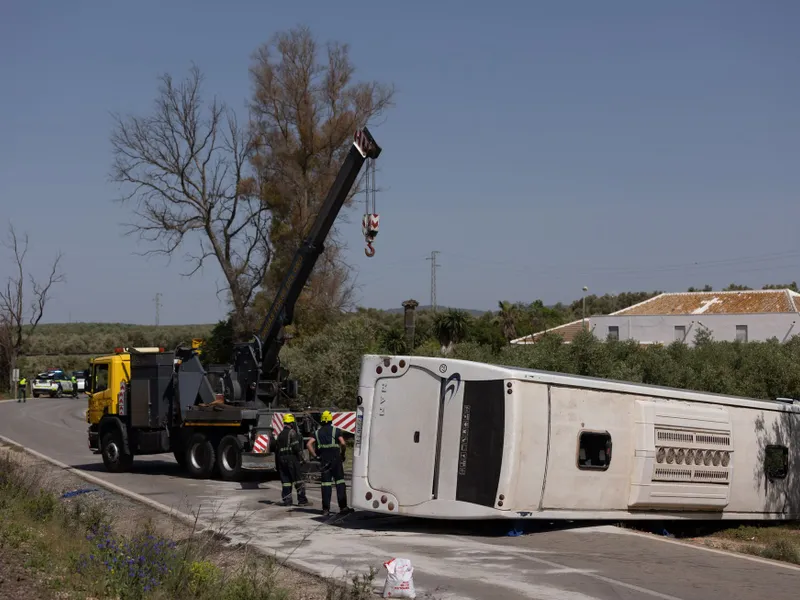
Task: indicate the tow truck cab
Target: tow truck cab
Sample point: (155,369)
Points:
(106,386)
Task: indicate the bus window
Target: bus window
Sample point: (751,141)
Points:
(594,450)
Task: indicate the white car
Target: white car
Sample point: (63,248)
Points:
(54,383)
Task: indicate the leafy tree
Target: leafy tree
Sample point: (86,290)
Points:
(218,347)
(735,287)
(507,319)
(327,364)
(451,327)
(782,286)
(393,340)
(306,105)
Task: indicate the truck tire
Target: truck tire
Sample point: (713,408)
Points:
(115,458)
(201,456)
(229,458)
(180,457)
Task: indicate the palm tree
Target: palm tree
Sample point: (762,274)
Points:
(394,341)
(451,327)
(507,319)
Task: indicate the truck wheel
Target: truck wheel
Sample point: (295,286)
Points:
(200,456)
(180,457)
(229,458)
(115,458)
(35,395)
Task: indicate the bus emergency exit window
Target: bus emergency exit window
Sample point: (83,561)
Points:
(594,450)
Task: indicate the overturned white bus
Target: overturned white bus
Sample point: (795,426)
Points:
(452,439)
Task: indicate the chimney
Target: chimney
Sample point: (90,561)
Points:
(409,317)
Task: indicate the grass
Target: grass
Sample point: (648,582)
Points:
(75,548)
(777,542)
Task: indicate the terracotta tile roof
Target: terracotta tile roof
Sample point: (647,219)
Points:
(697,303)
(568,331)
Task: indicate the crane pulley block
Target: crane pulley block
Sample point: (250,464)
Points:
(370,225)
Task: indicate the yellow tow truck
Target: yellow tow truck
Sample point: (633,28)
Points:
(134,410)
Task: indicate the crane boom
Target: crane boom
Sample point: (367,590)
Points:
(256,376)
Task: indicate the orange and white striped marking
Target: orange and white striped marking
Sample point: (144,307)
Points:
(345,421)
(261,445)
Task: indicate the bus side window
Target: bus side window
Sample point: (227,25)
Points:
(594,450)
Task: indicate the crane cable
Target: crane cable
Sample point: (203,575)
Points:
(371,220)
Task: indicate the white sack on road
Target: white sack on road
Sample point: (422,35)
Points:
(399,579)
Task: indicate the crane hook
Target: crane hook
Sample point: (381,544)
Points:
(369,250)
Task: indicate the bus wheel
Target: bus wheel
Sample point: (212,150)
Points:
(200,456)
(115,458)
(229,458)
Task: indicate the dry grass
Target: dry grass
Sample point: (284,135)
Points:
(776,542)
(78,547)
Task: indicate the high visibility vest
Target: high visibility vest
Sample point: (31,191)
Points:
(327,444)
(23,382)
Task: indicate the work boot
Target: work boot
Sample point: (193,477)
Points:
(346,510)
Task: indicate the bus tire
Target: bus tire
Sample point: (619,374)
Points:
(200,456)
(229,458)
(115,459)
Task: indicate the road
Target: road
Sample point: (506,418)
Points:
(451,560)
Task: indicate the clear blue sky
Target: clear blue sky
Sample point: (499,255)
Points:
(540,146)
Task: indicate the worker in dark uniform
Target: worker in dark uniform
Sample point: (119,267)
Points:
(289,458)
(331,448)
(74,386)
(22,390)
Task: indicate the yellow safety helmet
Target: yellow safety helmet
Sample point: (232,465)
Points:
(288,418)
(326,417)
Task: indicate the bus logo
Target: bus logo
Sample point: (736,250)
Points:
(451,387)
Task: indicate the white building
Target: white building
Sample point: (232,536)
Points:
(752,315)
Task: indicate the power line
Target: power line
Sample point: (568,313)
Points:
(158,306)
(432,258)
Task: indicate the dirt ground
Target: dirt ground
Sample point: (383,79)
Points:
(16,583)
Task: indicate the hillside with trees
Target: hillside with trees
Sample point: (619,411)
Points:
(70,345)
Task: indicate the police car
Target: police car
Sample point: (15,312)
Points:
(53,383)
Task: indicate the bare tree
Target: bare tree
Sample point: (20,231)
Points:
(21,309)
(185,167)
(305,108)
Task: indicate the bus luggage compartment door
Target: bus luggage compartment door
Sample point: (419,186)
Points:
(402,437)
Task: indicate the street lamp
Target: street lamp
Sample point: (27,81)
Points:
(585,289)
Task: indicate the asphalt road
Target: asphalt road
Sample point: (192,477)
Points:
(451,560)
